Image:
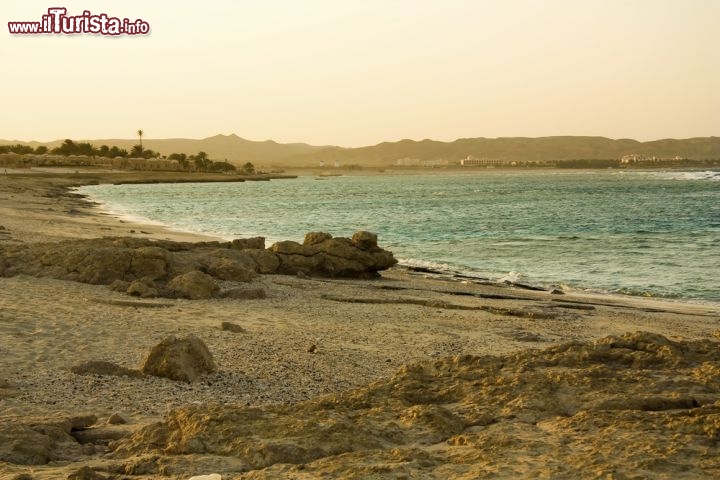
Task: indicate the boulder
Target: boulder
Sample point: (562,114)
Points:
(288,247)
(119,286)
(182,359)
(116,419)
(144,288)
(365,240)
(312,238)
(194,285)
(256,243)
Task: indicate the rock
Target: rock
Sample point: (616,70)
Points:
(86,473)
(557,291)
(94,367)
(116,419)
(99,435)
(119,262)
(21,445)
(144,288)
(312,349)
(150,262)
(365,240)
(226,269)
(244,293)
(257,243)
(288,247)
(79,422)
(194,285)
(232,327)
(212,476)
(182,359)
(265,262)
(119,286)
(313,238)
(323,255)
(38,441)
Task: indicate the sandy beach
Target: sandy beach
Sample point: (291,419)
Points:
(316,367)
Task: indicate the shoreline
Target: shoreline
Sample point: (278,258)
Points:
(418,264)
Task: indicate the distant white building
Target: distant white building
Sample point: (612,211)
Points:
(471,161)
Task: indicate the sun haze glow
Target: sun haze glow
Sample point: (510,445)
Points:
(355,73)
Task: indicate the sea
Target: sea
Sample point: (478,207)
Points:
(646,233)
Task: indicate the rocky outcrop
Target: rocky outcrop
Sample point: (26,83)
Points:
(321,254)
(635,406)
(181,359)
(145,268)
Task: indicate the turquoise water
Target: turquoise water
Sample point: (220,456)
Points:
(642,233)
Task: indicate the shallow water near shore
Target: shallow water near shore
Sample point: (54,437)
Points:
(638,232)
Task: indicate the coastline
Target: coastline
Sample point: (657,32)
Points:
(362,332)
(530,277)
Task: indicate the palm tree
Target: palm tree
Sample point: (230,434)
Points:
(140,134)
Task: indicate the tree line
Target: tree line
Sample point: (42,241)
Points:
(198,162)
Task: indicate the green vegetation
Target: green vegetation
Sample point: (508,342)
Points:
(19,149)
(248,169)
(199,162)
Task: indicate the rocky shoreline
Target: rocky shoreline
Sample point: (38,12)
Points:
(320,360)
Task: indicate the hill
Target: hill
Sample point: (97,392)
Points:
(522,149)
(219,147)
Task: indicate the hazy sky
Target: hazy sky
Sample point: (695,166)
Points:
(360,72)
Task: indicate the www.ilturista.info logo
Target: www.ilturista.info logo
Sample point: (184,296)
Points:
(58,22)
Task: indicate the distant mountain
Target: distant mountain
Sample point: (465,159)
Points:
(518,149)
(239,150)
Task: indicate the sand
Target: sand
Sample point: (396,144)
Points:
(310,337)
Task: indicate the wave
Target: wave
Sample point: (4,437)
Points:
(707,175)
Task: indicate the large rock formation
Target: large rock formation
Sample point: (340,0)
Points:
(145,267)
(182,359)
(321,254)
(635,406)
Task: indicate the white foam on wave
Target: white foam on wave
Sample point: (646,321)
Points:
(511,277)
(710,175)
(124,214)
